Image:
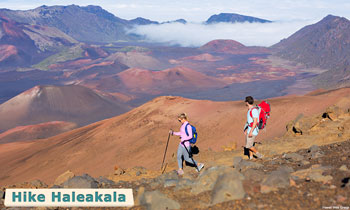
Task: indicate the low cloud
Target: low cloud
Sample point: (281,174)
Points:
(196,34)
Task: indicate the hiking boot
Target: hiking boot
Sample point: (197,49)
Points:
(259,155)
(200,167)
(180,172)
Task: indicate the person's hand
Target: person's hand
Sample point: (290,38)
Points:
(250,135)
(171,132)
(245,132)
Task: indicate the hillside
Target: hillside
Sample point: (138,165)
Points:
(24,44)
(308,163)
(70,103)
(131,139)
(232,47)
(326,45)
(39,131)
(89,24)
(178,79)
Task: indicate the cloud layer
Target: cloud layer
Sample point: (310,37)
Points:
(196,34)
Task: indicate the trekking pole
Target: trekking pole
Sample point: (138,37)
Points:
(166,148)
(190,156)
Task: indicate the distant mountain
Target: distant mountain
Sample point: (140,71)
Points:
(90,23)
(326,45)
(183,21)
(234,18)
(70,103)
(142,21)
(24,44)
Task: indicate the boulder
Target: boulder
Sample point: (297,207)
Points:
(119,171)
(315,152)
(243,165)
(293,157)
(314,148)
(207,179)
(254,174)
(184,184)
(318,177)
(163,177)
(276,179)
(314,173)
(84,181)
(333,113)
(228,187)
(170,182)
(64,177)
(138,170)
(343,168)
(104,182)
(38,184)
(156,200)
(317,155)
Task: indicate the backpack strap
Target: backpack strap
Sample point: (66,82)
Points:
(251,115)
(187,130)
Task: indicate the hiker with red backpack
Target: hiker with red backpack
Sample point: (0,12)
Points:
(187,135)
(256,119)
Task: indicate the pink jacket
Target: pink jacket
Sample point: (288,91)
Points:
(183,134)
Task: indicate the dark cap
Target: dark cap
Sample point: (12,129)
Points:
(249,99)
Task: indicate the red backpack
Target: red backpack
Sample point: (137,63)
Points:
(264,114)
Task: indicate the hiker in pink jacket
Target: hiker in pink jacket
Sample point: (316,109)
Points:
(184,142)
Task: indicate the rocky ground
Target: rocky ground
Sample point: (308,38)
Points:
(309,168)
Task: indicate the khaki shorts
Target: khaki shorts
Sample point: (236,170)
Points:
(249,142)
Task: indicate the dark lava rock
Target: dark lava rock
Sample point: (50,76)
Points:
(104,182)
(84,181)
(207,179)
(243,165)
(228,187)
(156,200)
(38,184)
(276,179)
(171,182)
(293,157)
(254,174)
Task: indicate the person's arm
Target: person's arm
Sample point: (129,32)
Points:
(177,133)
(255,114)
(189,131)
(255,122)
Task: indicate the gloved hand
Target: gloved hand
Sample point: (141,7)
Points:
(171,132)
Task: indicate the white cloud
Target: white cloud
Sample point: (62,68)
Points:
(196,34)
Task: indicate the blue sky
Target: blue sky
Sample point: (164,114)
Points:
(288,16)
(200,10)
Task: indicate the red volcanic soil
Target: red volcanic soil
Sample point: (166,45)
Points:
(143,60)
(169,80)
(7,51)
(94,52)
(232,47)
(11,29)
(69,103)
(39,131)
(203,57)
(138,138)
